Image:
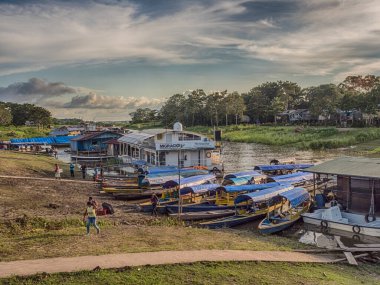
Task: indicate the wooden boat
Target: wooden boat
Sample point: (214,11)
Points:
(205,215)
(189,195)
(293,203)
(190,181)
(255,207)
(333,218)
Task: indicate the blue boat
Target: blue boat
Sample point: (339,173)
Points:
(294,178)
(245,177)
(293,203)
(190,181)
(255,207)
(280,167)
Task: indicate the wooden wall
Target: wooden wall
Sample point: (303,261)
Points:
(355,193)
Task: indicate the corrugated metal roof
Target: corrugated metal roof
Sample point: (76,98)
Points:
(349,166)
(93,135)
(135,137)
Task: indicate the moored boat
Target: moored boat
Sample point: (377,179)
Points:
(254,208)
(335,219)
(293,203)
(204,215)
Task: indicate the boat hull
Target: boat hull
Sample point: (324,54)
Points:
(201,207)
(347,227)
(206,215)
(233,221)
(265,227)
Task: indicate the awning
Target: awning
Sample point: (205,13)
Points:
(263,195)
(190,181)
(242,174)
(247,188)
(294,177)
(282,167)
(296,196)
(199,189)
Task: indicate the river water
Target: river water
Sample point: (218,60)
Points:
(243,156)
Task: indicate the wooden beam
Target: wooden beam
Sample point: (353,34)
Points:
(350,258)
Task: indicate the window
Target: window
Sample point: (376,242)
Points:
(188,137)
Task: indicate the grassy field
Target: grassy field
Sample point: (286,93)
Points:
(316,138)
(216,273)
(9,132)
(27,164)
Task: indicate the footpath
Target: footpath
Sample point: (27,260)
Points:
(72,264)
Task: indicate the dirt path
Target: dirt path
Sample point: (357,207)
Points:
(71,264)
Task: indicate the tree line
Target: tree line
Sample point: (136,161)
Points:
(263,102)
(18,114)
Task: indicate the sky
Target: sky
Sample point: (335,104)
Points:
(101,60)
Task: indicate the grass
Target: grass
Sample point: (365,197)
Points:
(142,126)
(215,273)
(42,238)
(8,132)
(26,164)
(315,138)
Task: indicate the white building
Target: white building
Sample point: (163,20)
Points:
(165,147)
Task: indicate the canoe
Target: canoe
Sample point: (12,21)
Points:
(333,218)
(194,216)
(234,220)
(297,202)
(197,207)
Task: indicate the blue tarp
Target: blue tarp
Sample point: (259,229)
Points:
(189,181)
(294,177)
(242,174)
(282,167)
(264,194)
(199,189)
(42,140)
(247,188)
(296,196)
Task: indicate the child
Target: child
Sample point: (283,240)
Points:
(57,171)
(91,217)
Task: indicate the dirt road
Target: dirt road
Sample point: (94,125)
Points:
(71,264)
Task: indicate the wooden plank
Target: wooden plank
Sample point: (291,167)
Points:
(350,258)
(375,245)
(345,259)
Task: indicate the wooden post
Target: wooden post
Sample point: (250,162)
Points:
(314,188)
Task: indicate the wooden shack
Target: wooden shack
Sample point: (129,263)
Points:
(358,180)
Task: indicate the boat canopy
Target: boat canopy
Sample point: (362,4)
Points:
(294,177)
(282,167)
(190,181)
(183,172)
(199,189)
(251,173)
(263,195)
(296,196)
(247,188)
(239,180)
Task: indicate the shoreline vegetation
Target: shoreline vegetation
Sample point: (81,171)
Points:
(303,138)
(299,137)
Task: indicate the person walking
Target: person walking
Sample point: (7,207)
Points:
(57,171)
(72,167)
(154,200)
(84,169)
(90,213)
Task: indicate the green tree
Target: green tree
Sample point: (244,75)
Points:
(5,116)
(173,109)
(323,99)
(235,105)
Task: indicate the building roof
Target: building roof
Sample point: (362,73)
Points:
(349,166)
(92,135)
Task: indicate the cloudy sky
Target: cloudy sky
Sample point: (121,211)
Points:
(100,60)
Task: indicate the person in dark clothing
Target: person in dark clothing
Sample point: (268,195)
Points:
(154,201)
(84,169)
(72,168)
